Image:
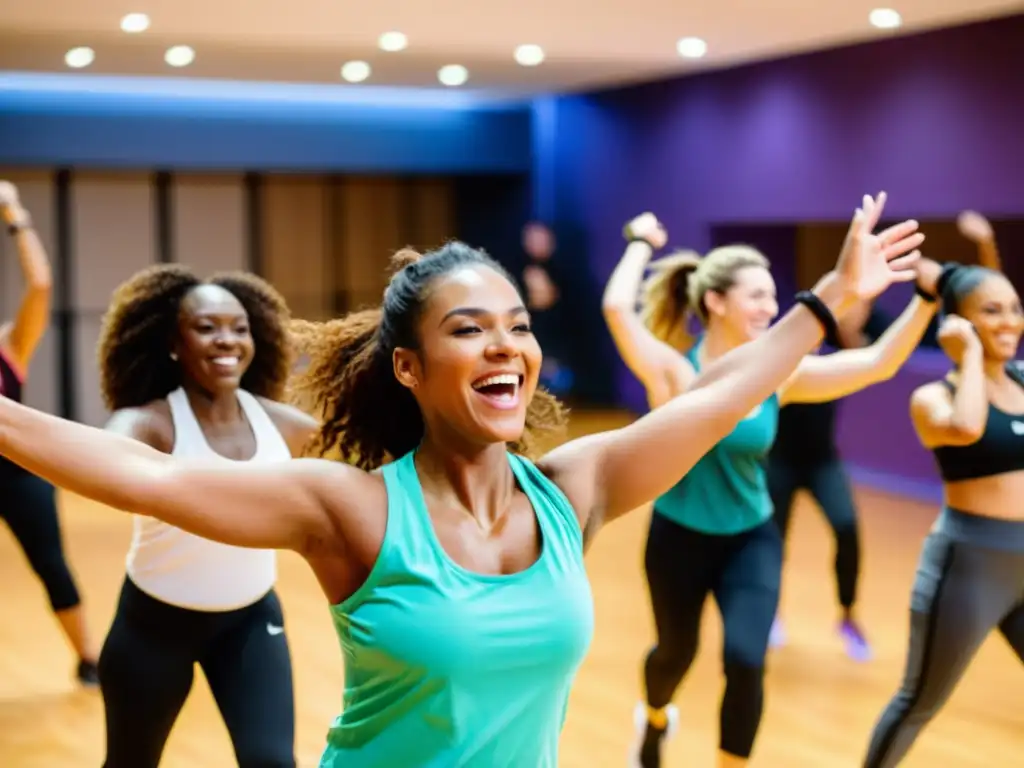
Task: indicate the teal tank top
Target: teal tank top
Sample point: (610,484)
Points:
(446,668)
(726,492)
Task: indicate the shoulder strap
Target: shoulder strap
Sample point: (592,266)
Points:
(187,432)
(693,353)
(408,518)
(263,426)
(1015,370)
(556,515)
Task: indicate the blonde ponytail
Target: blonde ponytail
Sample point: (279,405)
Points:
(665,298)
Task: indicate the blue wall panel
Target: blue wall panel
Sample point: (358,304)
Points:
(82,121)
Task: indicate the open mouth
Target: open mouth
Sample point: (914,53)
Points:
(225,363)
(501,390)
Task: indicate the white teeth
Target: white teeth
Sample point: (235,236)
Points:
(225,360)
(503,378)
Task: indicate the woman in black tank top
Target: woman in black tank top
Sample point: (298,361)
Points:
(805,455)
(970,579)
(29,507)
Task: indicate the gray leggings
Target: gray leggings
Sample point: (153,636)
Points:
(970,580)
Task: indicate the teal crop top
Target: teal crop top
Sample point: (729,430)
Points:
(726,491)
(446,668)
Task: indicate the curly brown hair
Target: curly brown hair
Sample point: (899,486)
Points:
(134,345)
(368,417)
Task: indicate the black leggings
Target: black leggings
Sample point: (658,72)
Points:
(743,573)
(829,486)
(146,669)
(28,506)
(970,581)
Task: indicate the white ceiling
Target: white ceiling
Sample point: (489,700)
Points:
(586,46)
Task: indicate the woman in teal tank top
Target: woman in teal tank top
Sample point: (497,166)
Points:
(453,565)
(712,532)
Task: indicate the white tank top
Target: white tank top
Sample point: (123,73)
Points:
(186,570)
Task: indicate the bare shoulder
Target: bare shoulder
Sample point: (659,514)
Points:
(288,417)
(295,425)
(573,467)
(150,424)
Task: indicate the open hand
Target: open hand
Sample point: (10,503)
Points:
(958,338)
(647,227)
(870,263)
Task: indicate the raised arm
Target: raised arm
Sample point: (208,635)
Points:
(978,230)
(609,474)
(21,338)
(941,417)
(299,504)
(820,378)
(662,370)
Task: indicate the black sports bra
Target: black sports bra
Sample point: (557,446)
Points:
(999,449)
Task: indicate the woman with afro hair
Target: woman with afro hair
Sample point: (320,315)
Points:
(197,370)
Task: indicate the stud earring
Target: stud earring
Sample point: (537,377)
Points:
(174,355)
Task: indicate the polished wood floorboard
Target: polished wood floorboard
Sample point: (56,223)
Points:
(820,709)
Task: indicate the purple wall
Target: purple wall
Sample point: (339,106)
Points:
(935,119)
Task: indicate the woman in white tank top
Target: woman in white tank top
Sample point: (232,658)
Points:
(195,369)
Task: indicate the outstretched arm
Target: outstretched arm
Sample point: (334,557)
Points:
(23,336)
(660,368)
(609,474)
(288,505)
(820,378)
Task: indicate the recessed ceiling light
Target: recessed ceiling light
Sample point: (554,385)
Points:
(453,75)
(885,18)
(692,48)
(393,41)
(179,56)
(77,58)
(135,22)
(355,71)
(529,55)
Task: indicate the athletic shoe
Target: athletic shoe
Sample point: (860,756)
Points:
(857,646)
(646,749)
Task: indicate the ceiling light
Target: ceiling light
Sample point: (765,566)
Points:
(179,56)
(355,71)
(393,41)
(135,22)
(452,75)
(692,48)
(529,55)
(77,58)
(885,18)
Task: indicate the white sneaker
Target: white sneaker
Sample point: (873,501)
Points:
(640,726)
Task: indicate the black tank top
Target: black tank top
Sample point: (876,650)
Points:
(10,381)
(1000,448)
(11,388)
(807,431)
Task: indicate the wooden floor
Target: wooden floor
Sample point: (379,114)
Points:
(820,707)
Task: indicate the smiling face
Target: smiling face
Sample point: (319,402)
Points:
(477,365)
(214,345)
(994,309)
(748,306)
